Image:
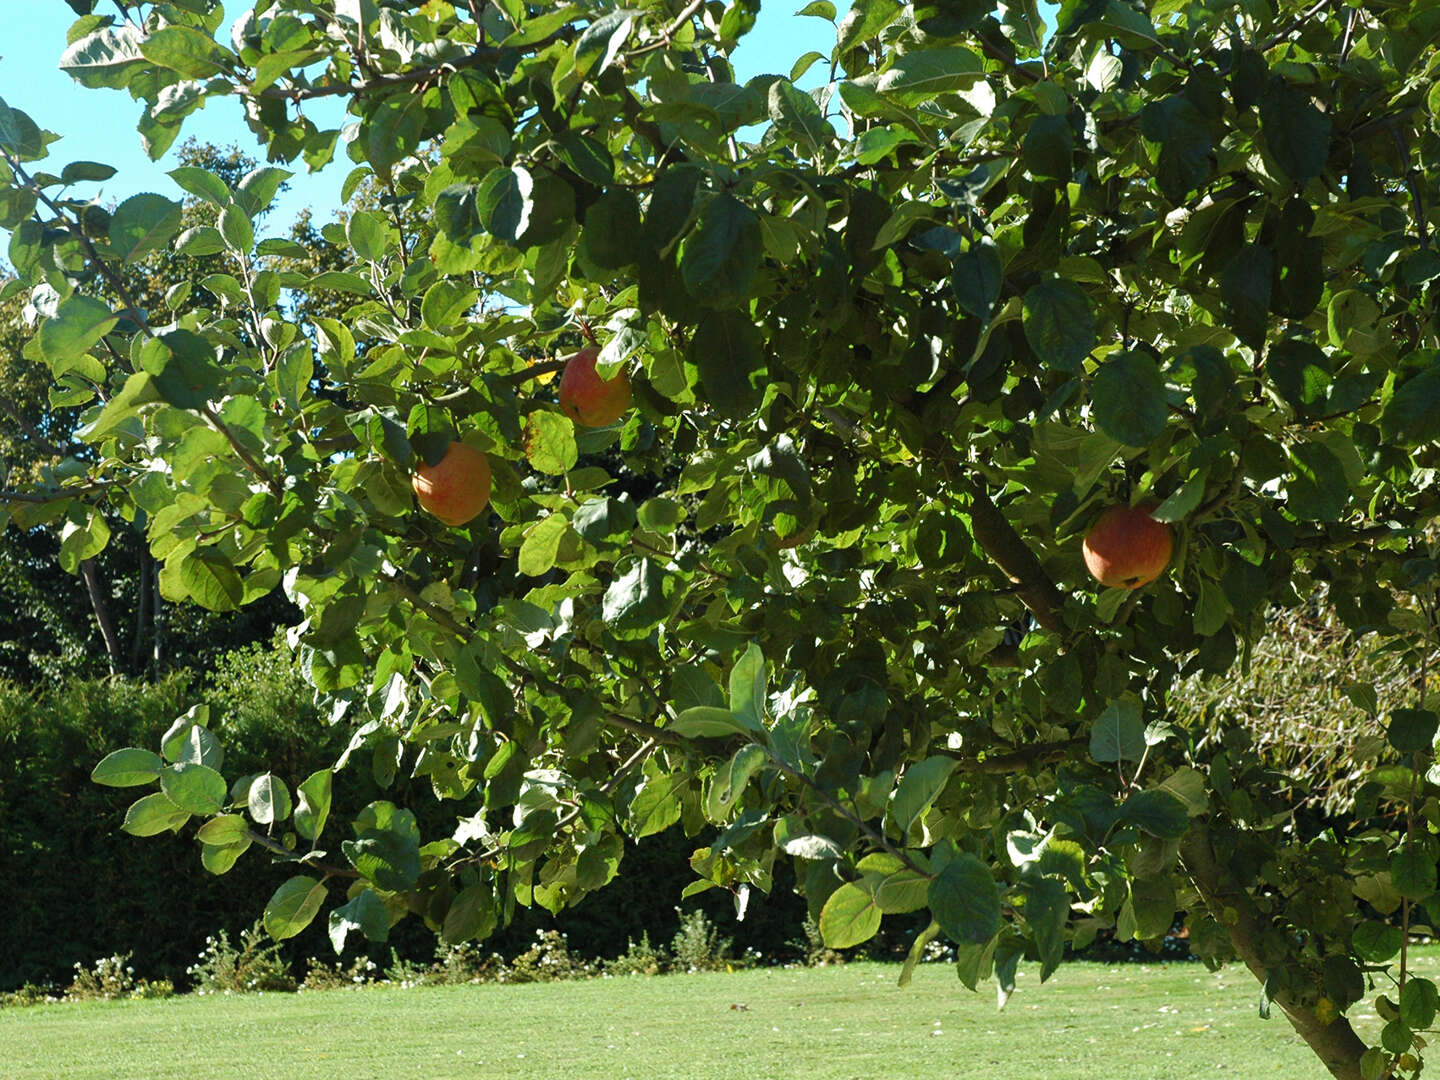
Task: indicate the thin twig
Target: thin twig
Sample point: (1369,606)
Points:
(1295,24)
(278,848)
(534,371)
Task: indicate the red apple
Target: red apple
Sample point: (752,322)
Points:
(1126,547)
(586,398)
(457,488)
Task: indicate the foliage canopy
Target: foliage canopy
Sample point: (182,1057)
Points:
(894,344)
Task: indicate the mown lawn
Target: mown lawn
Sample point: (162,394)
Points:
(1139,1022)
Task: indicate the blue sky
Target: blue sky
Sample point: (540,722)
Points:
(99,125)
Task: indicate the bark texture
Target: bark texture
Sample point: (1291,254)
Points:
(1335,1043)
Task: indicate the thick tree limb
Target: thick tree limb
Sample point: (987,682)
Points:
(1335,1043)
(994,533)
(102,615)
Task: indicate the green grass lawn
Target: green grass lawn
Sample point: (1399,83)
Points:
(1089,1022)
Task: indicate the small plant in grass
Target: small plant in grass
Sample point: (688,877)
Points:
(464,963)
(320,975)
(548,960)
(641,958)
(812,948)
(405,973)
(253,967)
(29,994)
(113,978)
(698,946)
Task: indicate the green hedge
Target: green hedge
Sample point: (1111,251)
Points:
(77,888)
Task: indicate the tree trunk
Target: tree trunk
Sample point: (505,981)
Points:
(102,614)
(158,618)
(1335,1043)
(142,609)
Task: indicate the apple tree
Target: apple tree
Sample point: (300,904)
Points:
(895,343)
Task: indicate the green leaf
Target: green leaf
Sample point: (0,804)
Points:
(918,76)
(849,917)
(1245,291)
(1183,500)
(365,912)
(541,545)
(917,791)
(20,135)
(747,688)
(127,768)
(1412,415)
(472,915)
(1152,901)
(550,444)
(917,951)
(81,540)
(1129,399)
(185,50)
(613,230)
(604,519)
(1049,147)
(636,599)
(386,848)
(268,799)
(1301,371)
(236,228)
(719,257)
(194,788)
(979,275)
(142,224)
(1185,145)
(203,184)
(1157,812)
(726,349)
(1059,323)
(211,581)
(504,202)
(1412,731)
(293,906)
(153,814)
(107,57)
(79,324)
(705,721)
(864,20)
(1319,490)
(796,115)
(312,807)
(201,240)
(1376,942)
(1118,733)
(446,304)
(370,236)
(1295,131)
(1412,873)
(965,901)
(656,806)
(188,739)
(1418,1003)
(1047,909)
(223,831)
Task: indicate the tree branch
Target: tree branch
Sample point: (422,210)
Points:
(999,540)
(534,371)
(1335,1043)
(102,614)
(1295,24)
(269,844)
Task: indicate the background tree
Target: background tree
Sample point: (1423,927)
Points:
(110,616)
(891,359)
